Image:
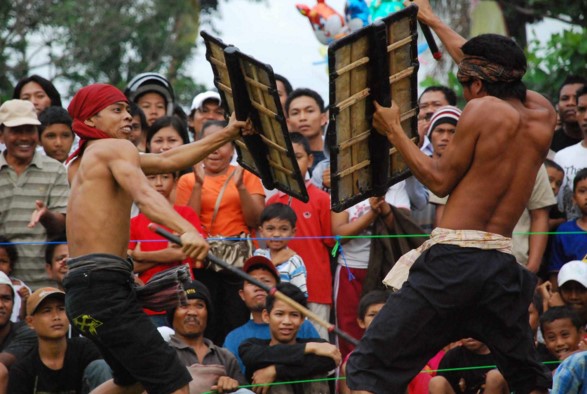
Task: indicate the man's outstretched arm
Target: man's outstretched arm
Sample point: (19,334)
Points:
(189,154)
(442,174)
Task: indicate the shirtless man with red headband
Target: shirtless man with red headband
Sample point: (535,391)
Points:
(107,174)
(465,283)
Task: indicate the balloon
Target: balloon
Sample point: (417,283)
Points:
(357,14)
(382,8)
(328,25)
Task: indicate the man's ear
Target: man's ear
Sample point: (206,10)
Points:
(265,316)
(241,294)
(29,322)
(323,118)
(361,323)
(90,122)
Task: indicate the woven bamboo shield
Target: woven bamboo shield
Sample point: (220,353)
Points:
(378,62)
(248,88)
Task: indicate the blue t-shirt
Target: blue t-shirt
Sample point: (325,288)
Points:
(567,247)
(261,331)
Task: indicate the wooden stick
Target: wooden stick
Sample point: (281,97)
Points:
(270,290)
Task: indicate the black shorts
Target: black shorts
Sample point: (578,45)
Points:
(451,293)
(102,305)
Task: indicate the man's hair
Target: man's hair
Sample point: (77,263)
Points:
(373,297)
(580,176)
(168,121)
(571,80)
(136,110)
(278,211)
(449,94)
(300,92)
(10,249)
(52,245)
(210,123)
(581,92)
(292,291)
(298,138)
(552,164)
(505,52)
(47,86)
(285,82)
(54,115)
(559,313)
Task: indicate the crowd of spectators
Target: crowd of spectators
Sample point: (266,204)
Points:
(231,332)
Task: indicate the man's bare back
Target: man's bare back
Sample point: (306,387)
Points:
(508,152)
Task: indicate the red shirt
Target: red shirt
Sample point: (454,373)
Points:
(313,221)
(139,231)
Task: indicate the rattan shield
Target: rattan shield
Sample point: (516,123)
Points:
(248,88)
(378,62)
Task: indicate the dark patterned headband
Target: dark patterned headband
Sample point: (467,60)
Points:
(481,68)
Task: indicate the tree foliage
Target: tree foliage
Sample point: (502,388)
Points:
(549,63)
(82,41)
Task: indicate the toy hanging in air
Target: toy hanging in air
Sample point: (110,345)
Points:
(357,14)
(381,8)
(328,25)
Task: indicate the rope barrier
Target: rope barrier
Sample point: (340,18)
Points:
(335,237)
(428,371)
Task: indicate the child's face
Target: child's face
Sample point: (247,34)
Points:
(534,318)
(5,263)
(57,140)
(555,177)
(304,160)
(163,183)
(372,311)
(580,196)
(277,229)
(574,294)
(561,337)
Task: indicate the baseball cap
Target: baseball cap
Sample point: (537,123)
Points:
(573,270)
(15,113)
(255,262)
(39,296)
(446,114)
(5,280)
(202,97)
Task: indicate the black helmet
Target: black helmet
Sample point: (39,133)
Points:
(151,82)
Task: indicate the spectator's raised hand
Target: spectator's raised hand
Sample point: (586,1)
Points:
(40,211)
(225,384)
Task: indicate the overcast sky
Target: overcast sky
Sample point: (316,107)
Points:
(274,32)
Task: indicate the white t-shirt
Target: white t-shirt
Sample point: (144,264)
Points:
(355,253)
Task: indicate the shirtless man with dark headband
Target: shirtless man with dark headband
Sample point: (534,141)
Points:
(465,282)
(107,175)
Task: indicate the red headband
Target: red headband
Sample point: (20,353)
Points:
(87,102)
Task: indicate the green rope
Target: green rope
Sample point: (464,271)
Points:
(248,386)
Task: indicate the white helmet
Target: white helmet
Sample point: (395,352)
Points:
(151,82)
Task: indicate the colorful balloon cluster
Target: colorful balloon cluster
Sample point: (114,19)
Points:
(329,25)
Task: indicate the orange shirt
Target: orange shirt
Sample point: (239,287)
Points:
(230,219)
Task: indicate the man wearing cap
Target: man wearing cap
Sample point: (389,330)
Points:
(107,174)
(262,269)
(195,351)
(205,106)
(33,190)
(572,286)
(56,364)
(16,339)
